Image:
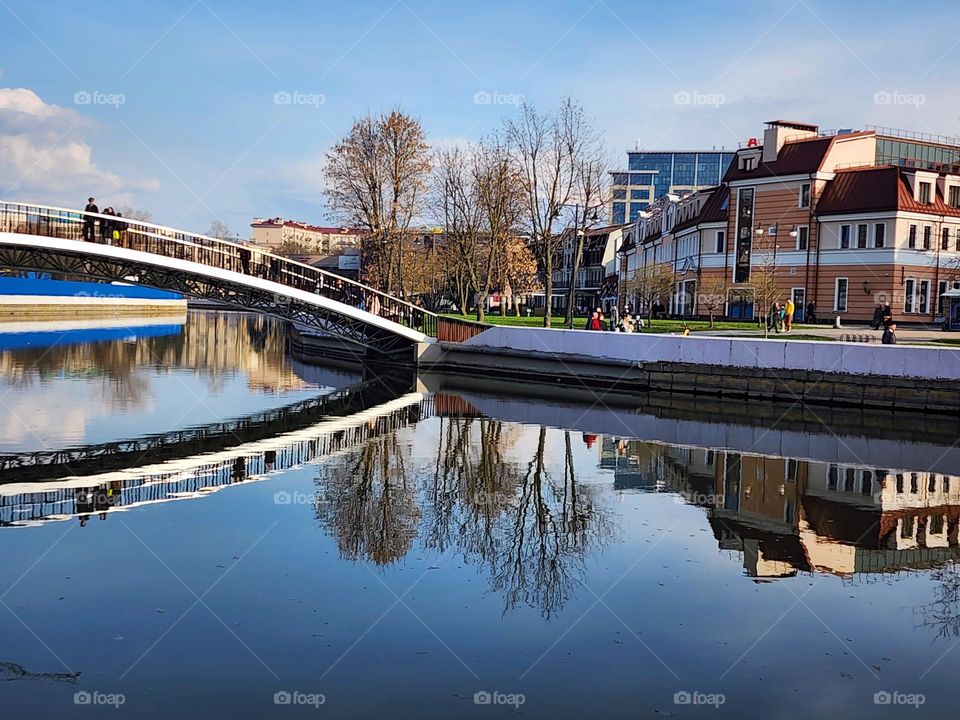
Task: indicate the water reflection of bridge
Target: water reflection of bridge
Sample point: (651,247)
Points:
(177,444)
(269,442)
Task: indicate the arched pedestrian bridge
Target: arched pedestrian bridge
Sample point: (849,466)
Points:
(52,240)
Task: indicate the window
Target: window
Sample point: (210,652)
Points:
(791,471)
(927,235)
(924,193)
(862,235)
(912,237)
(923,301)
(844,237)
(909,290)
(720,241)
(619,194)
(840,295)
(954,198)
(803,237)
(879,234)
(805,195)
(906,528)
(914,483)
(945,238)
(941,289)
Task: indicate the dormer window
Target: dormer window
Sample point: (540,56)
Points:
(924,193)
(954,196)
(805,195)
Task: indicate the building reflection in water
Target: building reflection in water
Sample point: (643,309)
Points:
(787,515)
(214,345)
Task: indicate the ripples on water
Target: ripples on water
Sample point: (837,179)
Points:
(196,521)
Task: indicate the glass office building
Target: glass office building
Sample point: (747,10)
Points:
(651,175)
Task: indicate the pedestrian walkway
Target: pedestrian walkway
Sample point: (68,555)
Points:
(919,334)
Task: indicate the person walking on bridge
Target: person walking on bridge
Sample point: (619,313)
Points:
(106,227)
(90,223)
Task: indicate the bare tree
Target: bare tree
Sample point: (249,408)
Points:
(766,291)
(500,192)
(219,230)
(139,215)
(712,294)
(651,284)
(549,148)
(456,201)
(591,189)
(377,178)
(478,195)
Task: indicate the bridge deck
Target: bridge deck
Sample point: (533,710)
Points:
(72,243)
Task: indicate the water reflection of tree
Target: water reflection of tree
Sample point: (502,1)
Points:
(368,502)
(532,531)
(942,614)
(548,536)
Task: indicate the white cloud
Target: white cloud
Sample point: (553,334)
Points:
(46,157)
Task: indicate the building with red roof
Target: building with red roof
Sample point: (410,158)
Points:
(844,220)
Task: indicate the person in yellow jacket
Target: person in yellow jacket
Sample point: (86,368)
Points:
(788,315)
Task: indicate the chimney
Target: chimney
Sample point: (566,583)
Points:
(779,131)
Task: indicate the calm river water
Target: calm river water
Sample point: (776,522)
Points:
(195,524)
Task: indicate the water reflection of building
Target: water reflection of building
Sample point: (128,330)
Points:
(211,344)
(786,515)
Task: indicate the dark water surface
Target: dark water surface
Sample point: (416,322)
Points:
(270,535)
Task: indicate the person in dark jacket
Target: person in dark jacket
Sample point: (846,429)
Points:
(877,317)
(106,227)
(89,223)
(811,314)
(889,335)
(887,317)
(119,227)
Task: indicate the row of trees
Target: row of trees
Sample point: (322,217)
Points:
(501,204)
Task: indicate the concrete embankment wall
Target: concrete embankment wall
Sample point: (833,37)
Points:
(817,373)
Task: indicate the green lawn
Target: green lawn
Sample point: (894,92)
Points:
(659,326)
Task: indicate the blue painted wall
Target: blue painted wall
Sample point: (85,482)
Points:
(35,285)
(42,339)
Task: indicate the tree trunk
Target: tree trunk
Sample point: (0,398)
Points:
(711,321)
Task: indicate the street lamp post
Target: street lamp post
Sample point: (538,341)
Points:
(775,234)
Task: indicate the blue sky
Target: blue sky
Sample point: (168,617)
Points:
(199,134)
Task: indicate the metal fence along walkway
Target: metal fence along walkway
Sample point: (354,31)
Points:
(72,243)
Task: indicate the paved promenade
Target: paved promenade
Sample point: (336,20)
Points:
(904,334)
